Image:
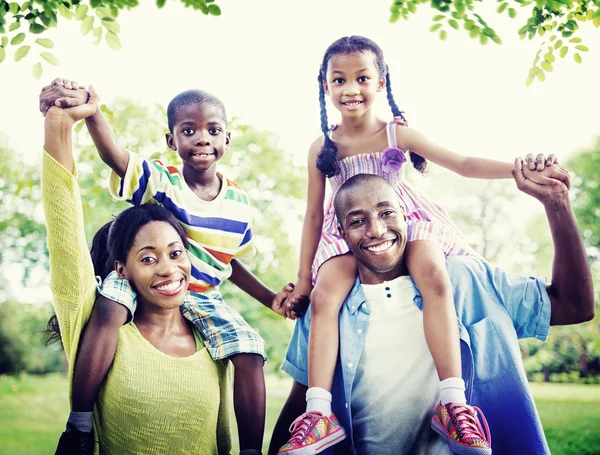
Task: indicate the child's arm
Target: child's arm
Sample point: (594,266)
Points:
(313,222)
(67,94)
(467,166)
(251,285)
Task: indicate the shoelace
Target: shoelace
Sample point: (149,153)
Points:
(467,423)
(303,424)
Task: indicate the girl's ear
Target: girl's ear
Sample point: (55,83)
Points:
(325,87)
(381,84)
(170,141)
(121,270)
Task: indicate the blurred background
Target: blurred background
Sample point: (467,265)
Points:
(262,59)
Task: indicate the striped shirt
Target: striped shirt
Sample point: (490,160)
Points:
(217,230)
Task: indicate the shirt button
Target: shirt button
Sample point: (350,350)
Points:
(346,405)
(359,331)
(389,296)
(350,364)
(352,307)
(387,288)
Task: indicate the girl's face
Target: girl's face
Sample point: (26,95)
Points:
(352,82)
(157,266)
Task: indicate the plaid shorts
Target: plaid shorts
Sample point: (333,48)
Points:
(224,329)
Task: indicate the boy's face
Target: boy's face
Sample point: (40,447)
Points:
(200,136)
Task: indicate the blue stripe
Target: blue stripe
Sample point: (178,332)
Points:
(138,196)
(247,237)
(204,277)
(220,224)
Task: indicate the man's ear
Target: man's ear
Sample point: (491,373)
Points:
(170,141)
(341,231)
(121,270)
(227,139)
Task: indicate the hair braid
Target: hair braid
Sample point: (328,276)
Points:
(327,159)
(418,161)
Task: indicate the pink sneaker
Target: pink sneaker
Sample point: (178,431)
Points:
(458,423)
(312,433)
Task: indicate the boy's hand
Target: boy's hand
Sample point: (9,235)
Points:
(554,174)
(73,114)
(62,93)
(539,162)
(297,306)
(279,304)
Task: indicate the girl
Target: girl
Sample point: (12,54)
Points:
(353,71)
(164,393)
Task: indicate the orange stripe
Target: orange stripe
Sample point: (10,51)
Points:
(199,288)
(225,258)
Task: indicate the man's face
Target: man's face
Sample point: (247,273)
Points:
(374,226)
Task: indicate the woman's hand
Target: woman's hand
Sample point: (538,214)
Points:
(74,108)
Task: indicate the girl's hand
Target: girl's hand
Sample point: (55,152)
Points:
(539,162)
(62,93)
(551,175)
(279,304)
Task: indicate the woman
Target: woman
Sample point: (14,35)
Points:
(164,393)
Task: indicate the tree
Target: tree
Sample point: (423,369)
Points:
(21,22)
(559,19)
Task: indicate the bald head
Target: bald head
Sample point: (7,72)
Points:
(364,182)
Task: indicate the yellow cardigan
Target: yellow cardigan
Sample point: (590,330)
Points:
(150,403)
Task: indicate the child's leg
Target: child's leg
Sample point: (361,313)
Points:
(249,399)
(335,280)
(96,352)
(427,266)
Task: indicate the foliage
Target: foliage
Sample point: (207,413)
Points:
(22,24)
(558,20)
(22,339)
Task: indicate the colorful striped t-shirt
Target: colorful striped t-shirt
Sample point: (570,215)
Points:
(217,230)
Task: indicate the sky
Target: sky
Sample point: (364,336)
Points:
(262,59)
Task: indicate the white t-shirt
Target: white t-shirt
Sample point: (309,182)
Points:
(396,384)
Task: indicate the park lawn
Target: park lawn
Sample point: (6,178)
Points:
(33,411)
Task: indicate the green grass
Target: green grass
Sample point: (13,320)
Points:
(33,411)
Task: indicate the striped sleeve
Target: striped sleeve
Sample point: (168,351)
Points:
(143,180)
(246,249)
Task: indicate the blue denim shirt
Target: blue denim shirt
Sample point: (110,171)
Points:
(494,310)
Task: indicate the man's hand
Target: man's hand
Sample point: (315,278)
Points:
(552,183)
(62,93)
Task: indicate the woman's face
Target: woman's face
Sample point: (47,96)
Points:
(157,266)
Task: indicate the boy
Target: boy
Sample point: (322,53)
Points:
(216,214)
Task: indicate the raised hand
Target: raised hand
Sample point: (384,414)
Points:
(62,93)
(542,185)
(74,114)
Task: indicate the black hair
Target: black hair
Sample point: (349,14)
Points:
(113,241)
(190,97)
(327,161)
(353,182)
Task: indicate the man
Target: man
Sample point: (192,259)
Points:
(385,386)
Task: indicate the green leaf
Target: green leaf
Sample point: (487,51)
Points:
(214,10)
(50,58)
(546,66)
(160,3)
(14,26)
(541,76)
(474,33)
(36,71)
(435,27)
(502,7)
(113,41)
(111,25)
(512,13)
(81,11)
(558,44)
(552,38)
(533,71)
(453,24)
(2,54)
(550,57)
(582,48)
(103,12)
(13,8)
(496,39)
(577,58)
(4,41)
(87,24)
(596,22)
(528,82)
(439,17)
(45,42)
(564,51)
(64,12)
(443,35)
(21,52)
(36,28)
(483,39)
(17,39)
(575,40)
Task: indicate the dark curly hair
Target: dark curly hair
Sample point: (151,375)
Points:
(327,161)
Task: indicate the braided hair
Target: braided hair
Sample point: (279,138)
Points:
(327,161)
